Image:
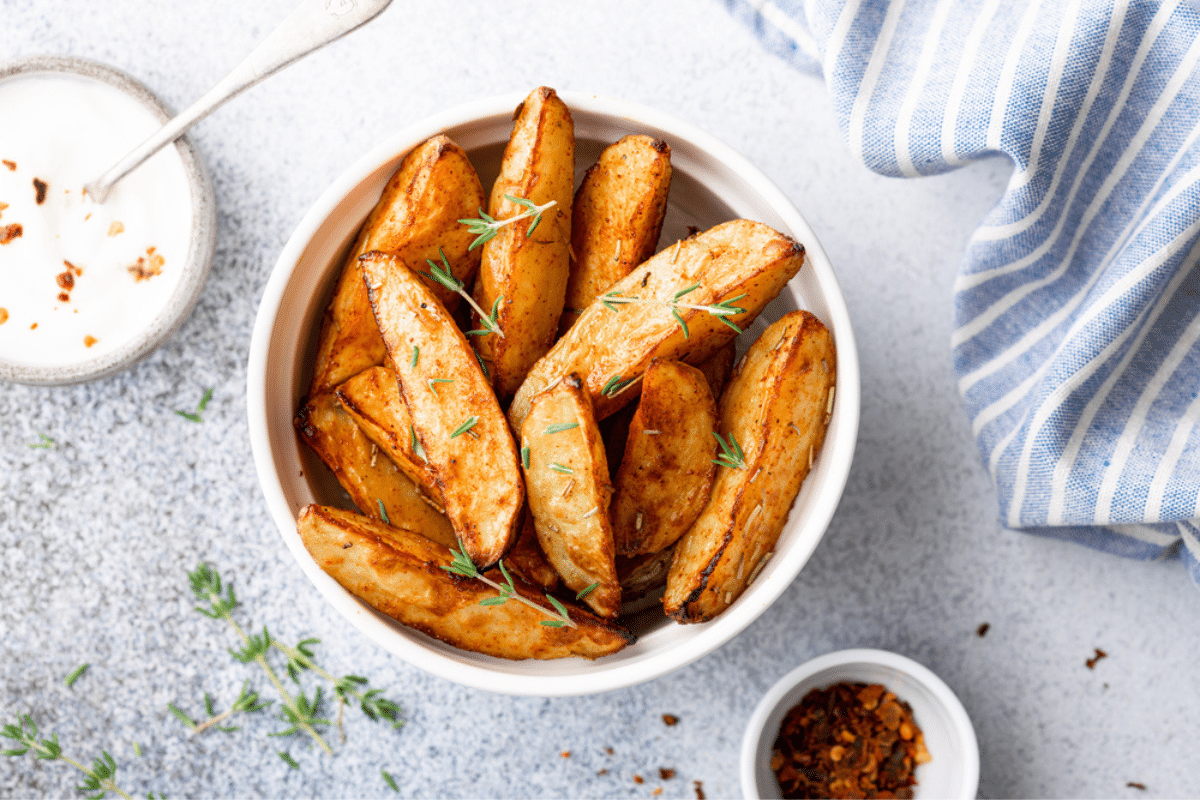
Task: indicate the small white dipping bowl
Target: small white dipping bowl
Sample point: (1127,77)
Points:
(178,305)
(952,773)
(711,184)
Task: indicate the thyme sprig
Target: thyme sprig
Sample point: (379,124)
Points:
(731,454)
(462,565)
(44,443)
(300,712)
(247,702)
(203,404)
(487,227)
(722,310)
(442,274)
(99,777)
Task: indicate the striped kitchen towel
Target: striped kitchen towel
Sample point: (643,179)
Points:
(1077,304)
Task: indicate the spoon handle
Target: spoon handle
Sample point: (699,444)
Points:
(311,25)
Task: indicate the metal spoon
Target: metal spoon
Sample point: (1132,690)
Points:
(312,25)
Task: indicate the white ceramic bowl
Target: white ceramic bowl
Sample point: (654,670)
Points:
(711,184)
(949,736)
(182,299)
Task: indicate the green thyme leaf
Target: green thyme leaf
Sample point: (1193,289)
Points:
(45,444)
(74,676)
(287,759)
(389,781)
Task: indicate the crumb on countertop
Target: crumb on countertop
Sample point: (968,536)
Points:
(1091,662)
(699,790)
(982,630)
(670,720)
(665,773)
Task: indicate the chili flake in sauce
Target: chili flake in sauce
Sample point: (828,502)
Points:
(849,740)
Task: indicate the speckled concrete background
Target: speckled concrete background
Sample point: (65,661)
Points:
(96,534)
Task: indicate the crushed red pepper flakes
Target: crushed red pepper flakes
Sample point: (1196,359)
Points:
(982,630)
(12,165)
(608,750)
(566,753)
(849,740)
(666,774)
(638,779)
(39,188)
(1091,662)
(602,772)
(657,791)
(699,789)
(670,720)
(10,232)
(1136,785)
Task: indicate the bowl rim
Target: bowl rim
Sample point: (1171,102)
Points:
(201,245)
(717,631)
(756,727)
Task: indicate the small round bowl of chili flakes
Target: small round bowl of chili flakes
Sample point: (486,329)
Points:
(860,723)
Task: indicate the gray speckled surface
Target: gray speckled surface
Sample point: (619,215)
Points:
(97,533)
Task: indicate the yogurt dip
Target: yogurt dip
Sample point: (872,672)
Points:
(79,280)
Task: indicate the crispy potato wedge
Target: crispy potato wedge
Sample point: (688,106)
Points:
(616,218)
(455,422)
(372,399)
(718,367)
(776,409)
(418,212)
(566,476)
(525,266)
(642,575)
(399,573)
(611,349)
(366,472)
(527,559)
(667,471)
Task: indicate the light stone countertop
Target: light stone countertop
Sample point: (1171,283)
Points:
(97,533)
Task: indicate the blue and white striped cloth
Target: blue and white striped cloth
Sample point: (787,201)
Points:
(1077,341)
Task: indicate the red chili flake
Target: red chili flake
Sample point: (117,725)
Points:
(608,750)
(12,165)
(33,327)
(982,630)
(147,266)
(699,790)
(39,187)
(602,772)
(566,754)
(638,779)
(666,774)
(3,315)
(1136,785)
(849,740)
(670,720)
(63,297)
(3,206)
(88,341)
(10,232)
(1091,662)
(74,270)
(657,791)
(65,280)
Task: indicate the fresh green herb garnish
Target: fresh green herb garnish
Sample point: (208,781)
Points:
(585,591)
(195,417)
(417,447)
(287,759)
(721,310)
(247,702)
(389,781)
(45,442)
(491,323)
(462,565)
(468,423)
(565,470)
(525,456)
(559,427)
(383,513)
(75,673)
(415,358)
(614,385)
(445,276)
(100,776)
(486,227)
(433,382)
(731,455)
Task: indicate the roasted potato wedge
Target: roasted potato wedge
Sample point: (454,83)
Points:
(640,318)
(718,367)
(372,399)
(366,472)
(455,422)
(400,573)
(527,559)
(667,470)
(616,218)
(775,410)
(566,476)
(434,187)
(525,266)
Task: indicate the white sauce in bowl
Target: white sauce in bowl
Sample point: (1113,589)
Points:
(80,280)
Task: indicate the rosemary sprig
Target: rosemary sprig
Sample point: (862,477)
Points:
(462,565)
(561,468)
(445,276)
(486,227)
(491,322)
(99,777)
(614,385)
(195,417)
(468,424)
(731,455)
(299,712)
(287,759)
(45,442)
(433,382)
(525,456)
(559,427)
(721,310)
(585,591)
(390,781)
(417,447)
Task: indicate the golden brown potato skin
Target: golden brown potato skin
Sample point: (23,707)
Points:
(667,470)
(643,574)
(477,472)
(776,406)
(527,559)
(418,212)
(569,493)
(528,270)
(365,471)
(731,259)
(616,219)
(399,573)
(718,367)
(372,399)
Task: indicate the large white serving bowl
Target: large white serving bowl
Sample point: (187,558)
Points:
(712,183)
